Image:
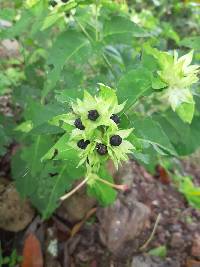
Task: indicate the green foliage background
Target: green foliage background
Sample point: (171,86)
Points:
(73,47)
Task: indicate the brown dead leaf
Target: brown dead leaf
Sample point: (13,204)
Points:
(32,254)
(192,263)
(78,226)
(162,174)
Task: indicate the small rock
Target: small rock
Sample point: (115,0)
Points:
(196,246)
(5,23)
(75,208)
(15,213)
(11,47)
(51,248)
(120,224)
(177,240)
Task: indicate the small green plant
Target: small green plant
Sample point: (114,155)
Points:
(97,137)
(67,133)
(188,189)
(10,261)
(160,251)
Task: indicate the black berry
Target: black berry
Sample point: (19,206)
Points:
(83,144)
(93,115)
(115,118)
(115,140)
(78,124)
(101,149)
(53,3)
(64,1)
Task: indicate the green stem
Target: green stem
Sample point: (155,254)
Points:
(96,19)
(35,155)
(109,65)
(84,30)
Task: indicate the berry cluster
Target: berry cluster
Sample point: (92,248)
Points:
(53,3)
(101,149)
(97,135)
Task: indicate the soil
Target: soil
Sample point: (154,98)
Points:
(115,236)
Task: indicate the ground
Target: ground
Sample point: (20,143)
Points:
(80,233)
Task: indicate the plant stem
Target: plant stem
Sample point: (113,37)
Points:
(109,65)
(96,19)
(120,187)
(84,30)
(74,190)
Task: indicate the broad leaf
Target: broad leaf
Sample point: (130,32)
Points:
(150,131)
(133,85)
(120,29)
(184,137)
(191,42)
(103,192)
(62,150)
(67,45)
(51,186)
(4,140)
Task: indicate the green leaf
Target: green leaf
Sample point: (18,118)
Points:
(30,21)
(4,140)
(69,95)
(186,111)
(25,126)
(152,132)
(190,191)
(67,45)
(35,109)
(191,42)
(44,182)
(62,151)
(51,19)
(120,29)
(27,164)
(104,193)
(51,187)
(20,26)
(184,137)
(133,85)
(57,14)
(160,251)
(157,83)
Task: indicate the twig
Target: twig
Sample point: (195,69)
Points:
(152,234)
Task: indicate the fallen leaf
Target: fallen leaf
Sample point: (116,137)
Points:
(192,263)
(162,174)
(32,254)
